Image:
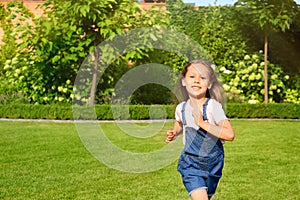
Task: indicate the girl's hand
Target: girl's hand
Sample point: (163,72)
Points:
(171,135)
(198,117)
(222,130)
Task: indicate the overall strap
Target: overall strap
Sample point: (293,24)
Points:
(204,111)
(183,114)
(205,108)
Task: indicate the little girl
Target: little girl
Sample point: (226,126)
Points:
(205,127)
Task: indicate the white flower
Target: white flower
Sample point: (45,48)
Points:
(237,79)
(6,67)
(258,77)
(252,77)
(247,57)
(274,77)
(254,66)
(14,60)
(60,88)
(226,87)
(77,96)
(270,92)
(65,90)
(7,62)
(227,71)
(222,69)
(45,98)
(273,87)
(35,87)
(254,56)
(280,84)
(213,66)
(18,71)
(252,101)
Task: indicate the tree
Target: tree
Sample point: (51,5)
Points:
(220,35)
(54,47)
(269,15)
(215,28)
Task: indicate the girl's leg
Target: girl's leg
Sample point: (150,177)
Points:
(199,195)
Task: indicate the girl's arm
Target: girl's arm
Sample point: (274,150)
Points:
(223,130)
(171,134)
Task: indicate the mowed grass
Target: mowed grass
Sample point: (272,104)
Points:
(47,160)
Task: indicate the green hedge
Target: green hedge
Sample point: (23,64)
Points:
(137,112)
(279,111)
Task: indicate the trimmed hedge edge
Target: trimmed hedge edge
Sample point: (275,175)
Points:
(140,112)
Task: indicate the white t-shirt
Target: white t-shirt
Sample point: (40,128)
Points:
(214,112)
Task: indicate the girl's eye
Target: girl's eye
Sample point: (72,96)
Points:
(203,78)
(191,76)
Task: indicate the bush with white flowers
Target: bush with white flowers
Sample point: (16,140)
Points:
(292,96)
(247,80)
(24,76)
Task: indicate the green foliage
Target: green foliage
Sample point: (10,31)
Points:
(248,80)
(12,18)
(10,23)
(152,94)
(214,28)
(217,29)
(283,46)
(183,16)
(271,14)
(41,69)
(292,96)
(52,50)
(221,36)
(271,111)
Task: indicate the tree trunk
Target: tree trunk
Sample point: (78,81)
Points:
(266,69)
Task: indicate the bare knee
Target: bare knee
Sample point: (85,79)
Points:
(200,194)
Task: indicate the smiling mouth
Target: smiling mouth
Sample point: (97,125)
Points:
(196,88)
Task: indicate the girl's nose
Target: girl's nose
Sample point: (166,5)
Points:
(197,80)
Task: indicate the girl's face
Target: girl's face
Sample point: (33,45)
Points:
(196,80)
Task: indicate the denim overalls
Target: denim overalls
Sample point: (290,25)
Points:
(202,158)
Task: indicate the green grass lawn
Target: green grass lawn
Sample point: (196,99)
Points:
(47,160)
